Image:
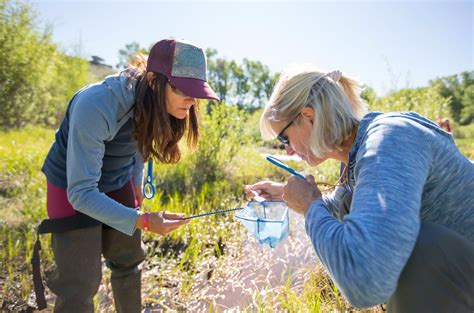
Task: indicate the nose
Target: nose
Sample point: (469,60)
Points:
(191,102)
(289,150)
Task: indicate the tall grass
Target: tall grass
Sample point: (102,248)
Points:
(211,179)
(208,180)
(464,139)
(22,199)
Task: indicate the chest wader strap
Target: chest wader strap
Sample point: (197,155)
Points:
(55,226)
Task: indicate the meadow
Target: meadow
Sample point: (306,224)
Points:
(212,264)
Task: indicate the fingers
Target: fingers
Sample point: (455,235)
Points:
(249,192)
(261,185)
(257,185)
(267,196)
(310,180)
(173,220)
(166,222)
(266,189)
(284,197)
(171,225)
(170,215)
(252,193)
(257,195)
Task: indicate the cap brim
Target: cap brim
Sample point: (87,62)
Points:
(195,88)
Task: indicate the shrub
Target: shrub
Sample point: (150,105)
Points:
(37,79)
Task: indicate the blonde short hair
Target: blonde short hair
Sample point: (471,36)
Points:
(335,100)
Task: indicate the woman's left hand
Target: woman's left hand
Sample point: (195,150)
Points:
(139,194)
(298,194)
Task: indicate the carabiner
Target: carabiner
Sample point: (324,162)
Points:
(148,188)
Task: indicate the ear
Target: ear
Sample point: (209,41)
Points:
(150,76)
(308,114)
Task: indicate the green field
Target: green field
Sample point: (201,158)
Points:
(194,256)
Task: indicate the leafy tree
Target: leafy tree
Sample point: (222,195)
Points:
(37,79)
(247,85)
(467,113)
(74,74)
(126,54)
(453,88)
(260,80)
(241,84)
(219,75)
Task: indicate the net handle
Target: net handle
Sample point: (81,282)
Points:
(207,213)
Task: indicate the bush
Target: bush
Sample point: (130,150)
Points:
(426,101)
(463,131)
(37,79)
(222,136)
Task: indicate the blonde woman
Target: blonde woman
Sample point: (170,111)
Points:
(399,227)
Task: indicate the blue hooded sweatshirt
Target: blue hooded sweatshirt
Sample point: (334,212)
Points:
(95,151)
(403,169)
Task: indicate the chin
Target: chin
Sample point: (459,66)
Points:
(180,116)
(314,162)
(307,160)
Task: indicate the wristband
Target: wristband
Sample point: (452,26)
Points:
(145,221)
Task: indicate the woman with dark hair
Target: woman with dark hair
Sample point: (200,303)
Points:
(94,171)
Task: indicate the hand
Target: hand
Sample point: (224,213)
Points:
(162,222)
(298,194)
(269,190)
(139,194)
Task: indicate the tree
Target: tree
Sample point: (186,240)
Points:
(453,88)
(219,75)
(467,113)
(240,83)
(37,79)
(258,75)
(125,55)
(247,85)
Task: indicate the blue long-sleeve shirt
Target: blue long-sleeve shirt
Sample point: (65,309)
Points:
(403,169)
(95,151)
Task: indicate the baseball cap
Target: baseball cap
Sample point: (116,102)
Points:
(184,64)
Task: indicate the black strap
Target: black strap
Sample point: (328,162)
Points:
(48,226)
(37,280)
(61,225)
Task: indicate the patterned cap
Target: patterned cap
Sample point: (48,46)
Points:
(185,66)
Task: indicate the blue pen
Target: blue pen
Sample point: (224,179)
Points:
(279,163)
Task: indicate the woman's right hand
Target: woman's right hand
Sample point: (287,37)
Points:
(269,190)
(162,222)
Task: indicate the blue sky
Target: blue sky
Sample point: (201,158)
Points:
(384,44)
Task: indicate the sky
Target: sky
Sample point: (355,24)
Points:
(385,44)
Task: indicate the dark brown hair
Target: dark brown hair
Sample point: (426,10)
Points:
(156,131)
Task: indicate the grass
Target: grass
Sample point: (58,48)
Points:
(466,146)
(463,131)
(177,263)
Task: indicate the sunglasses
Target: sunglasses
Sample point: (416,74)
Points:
(176,90)
(283,138)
